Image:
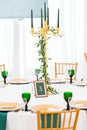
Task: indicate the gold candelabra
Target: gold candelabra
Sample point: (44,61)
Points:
(45,30)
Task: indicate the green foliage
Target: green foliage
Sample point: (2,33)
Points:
(43,63)
(42,58)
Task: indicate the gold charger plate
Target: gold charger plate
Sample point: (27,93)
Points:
(19,81)
(10,106)
(80,104)
(80,83)
(45,107)
(57,81)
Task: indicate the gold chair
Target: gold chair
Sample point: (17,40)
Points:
(85,55)
(62,68)
(2,67)
(58,120)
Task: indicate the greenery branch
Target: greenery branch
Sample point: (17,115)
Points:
(41,44)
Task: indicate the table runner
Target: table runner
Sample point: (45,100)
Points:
(3,119)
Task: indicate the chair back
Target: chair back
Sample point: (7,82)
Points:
(58,120)
(62,68)
(85,55)
(2,67)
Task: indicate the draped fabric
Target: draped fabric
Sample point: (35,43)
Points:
(3,120)
(19,51)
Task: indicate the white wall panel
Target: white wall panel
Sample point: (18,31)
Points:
(20,8)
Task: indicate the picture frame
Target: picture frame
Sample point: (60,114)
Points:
(40,88)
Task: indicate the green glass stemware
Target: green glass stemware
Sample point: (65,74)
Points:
(68,96)
(37,71)
(71,73)
(26,98)
(4,75)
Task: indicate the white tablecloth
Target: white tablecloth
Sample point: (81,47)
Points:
(26,120)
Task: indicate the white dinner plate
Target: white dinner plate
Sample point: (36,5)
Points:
(10,106)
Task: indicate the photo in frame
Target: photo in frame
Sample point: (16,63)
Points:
(40,88)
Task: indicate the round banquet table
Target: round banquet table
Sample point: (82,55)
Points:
(26,120)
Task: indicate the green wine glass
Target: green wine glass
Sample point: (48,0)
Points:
(26,98)
(71,73)
(37,72)
(68,96)
(4,75)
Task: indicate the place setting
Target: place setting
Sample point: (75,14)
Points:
(45,107)
(14,81)
(65,78)
(57,81)
(72,104)
(82,104)
(19,81)
(4,80)
(80,83)
(26,96)
(5,108)
(10,106)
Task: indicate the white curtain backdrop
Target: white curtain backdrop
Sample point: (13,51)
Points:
(6,43)
(18,50)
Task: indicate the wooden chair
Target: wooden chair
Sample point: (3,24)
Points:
(58,120)
(2,67)
(85,55)
(62,68)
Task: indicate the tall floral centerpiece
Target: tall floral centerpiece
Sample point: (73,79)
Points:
(43,32)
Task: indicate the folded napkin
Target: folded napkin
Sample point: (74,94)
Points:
(3,119)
